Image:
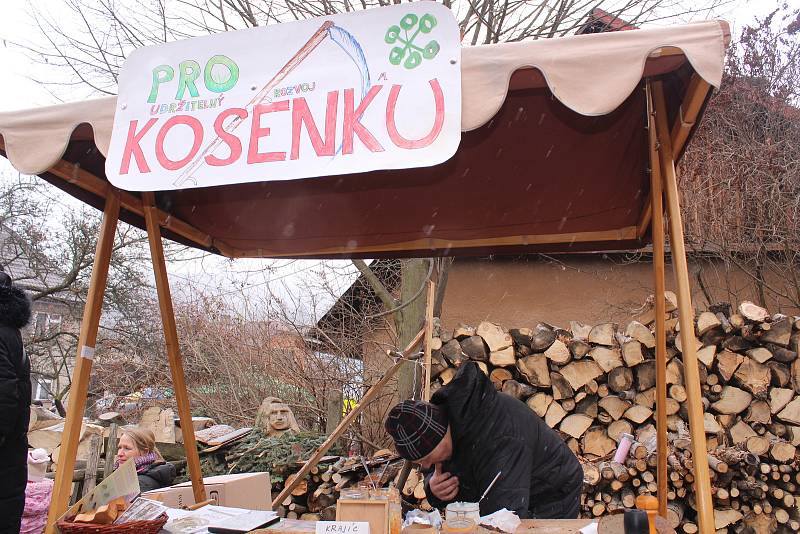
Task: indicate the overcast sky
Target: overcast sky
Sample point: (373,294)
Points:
(18,91)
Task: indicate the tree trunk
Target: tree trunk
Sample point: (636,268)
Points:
(409,321)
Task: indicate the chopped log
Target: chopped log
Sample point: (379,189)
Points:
(791,413)
(535,370)
(580,373)
(603,334)
(614,406)
(453,353)
(575,425)
(754,377)
(732,401)
(447,375)
(579,330)
(521,336)
(578,348)
(754,313)
(503,358)
(638,414)
(463,331)
(781,354)
(543,337)
(710,424)
(675,372)
(646,398)
(727,364)
(678,392)
(707,355)
(675,512)
(591,473)
(779,333)
(587,406)
(760,354)
(438,363)
(640,333)
(568,405)
(679,341)
(483,367)
(645,375)
(561,387)
(618,428)
(779,398)
(673,407)
(539,402)
(517,390)
(596,442)
(782,451)
(436,343)
(632,353)
(620,379)
(475,348)
(707,321)
(558,353)
(555,413)
(740,432)
(781,376)
(795,375)
(758,412)
(717,465)
(498,376)
(606,358)
(714,337)
(495,336)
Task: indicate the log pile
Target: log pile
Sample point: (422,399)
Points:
(594,383)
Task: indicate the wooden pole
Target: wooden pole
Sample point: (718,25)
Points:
(426,391)
(702,482)
(656,193)
(349,418)
(62,488)
(173,348)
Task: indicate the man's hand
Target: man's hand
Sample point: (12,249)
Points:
(443,485)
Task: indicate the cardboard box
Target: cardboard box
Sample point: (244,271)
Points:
(246,490)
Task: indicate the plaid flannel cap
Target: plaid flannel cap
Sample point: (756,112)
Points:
(416,427)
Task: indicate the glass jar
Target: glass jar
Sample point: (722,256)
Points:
(463,510)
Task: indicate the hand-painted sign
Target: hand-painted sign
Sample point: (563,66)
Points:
(377,89)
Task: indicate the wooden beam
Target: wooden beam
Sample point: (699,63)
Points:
(349,418)
(173,347)
(426,391)
(620,234)
(687,114)
(656,201)
(702,481)
(83,362)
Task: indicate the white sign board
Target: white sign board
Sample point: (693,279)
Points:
(375,89)
(342,527)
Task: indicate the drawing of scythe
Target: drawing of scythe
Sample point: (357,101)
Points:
(338,35)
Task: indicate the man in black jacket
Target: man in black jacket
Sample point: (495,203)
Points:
(469,432)
(15,400)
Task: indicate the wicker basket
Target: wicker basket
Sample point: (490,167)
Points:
(134,527)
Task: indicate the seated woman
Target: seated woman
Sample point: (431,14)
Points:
(153,471)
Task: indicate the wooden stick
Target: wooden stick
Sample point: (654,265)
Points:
(702,482)
(110,449)
(349,418)
(426,395)
(173,347)
(83,362)
(656,195)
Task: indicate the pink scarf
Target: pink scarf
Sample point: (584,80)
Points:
(143,463)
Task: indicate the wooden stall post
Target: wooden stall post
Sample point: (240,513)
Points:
(702,482)
(83,362)
(173,348)
(657,205)
(426,390)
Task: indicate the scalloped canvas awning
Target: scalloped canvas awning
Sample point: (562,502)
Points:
(553,157)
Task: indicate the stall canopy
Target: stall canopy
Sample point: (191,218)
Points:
(553,157)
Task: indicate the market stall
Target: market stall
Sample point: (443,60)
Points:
(565,145)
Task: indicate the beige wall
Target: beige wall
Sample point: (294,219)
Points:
(589,289)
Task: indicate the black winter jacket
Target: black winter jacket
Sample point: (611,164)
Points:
(494,432)
(15,368)
(159,475)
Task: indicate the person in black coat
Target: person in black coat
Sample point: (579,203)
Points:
(15,401)
(469,432)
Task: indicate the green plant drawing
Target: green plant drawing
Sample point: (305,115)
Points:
(407,50)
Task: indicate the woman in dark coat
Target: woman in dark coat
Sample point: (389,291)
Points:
(153,471)
(15,400)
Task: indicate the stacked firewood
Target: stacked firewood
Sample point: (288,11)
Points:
(596,383)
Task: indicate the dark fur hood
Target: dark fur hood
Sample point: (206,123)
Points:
(15,307)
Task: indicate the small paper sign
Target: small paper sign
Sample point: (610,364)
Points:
(342,527)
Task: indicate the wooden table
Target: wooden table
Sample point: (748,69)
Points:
(529,526)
